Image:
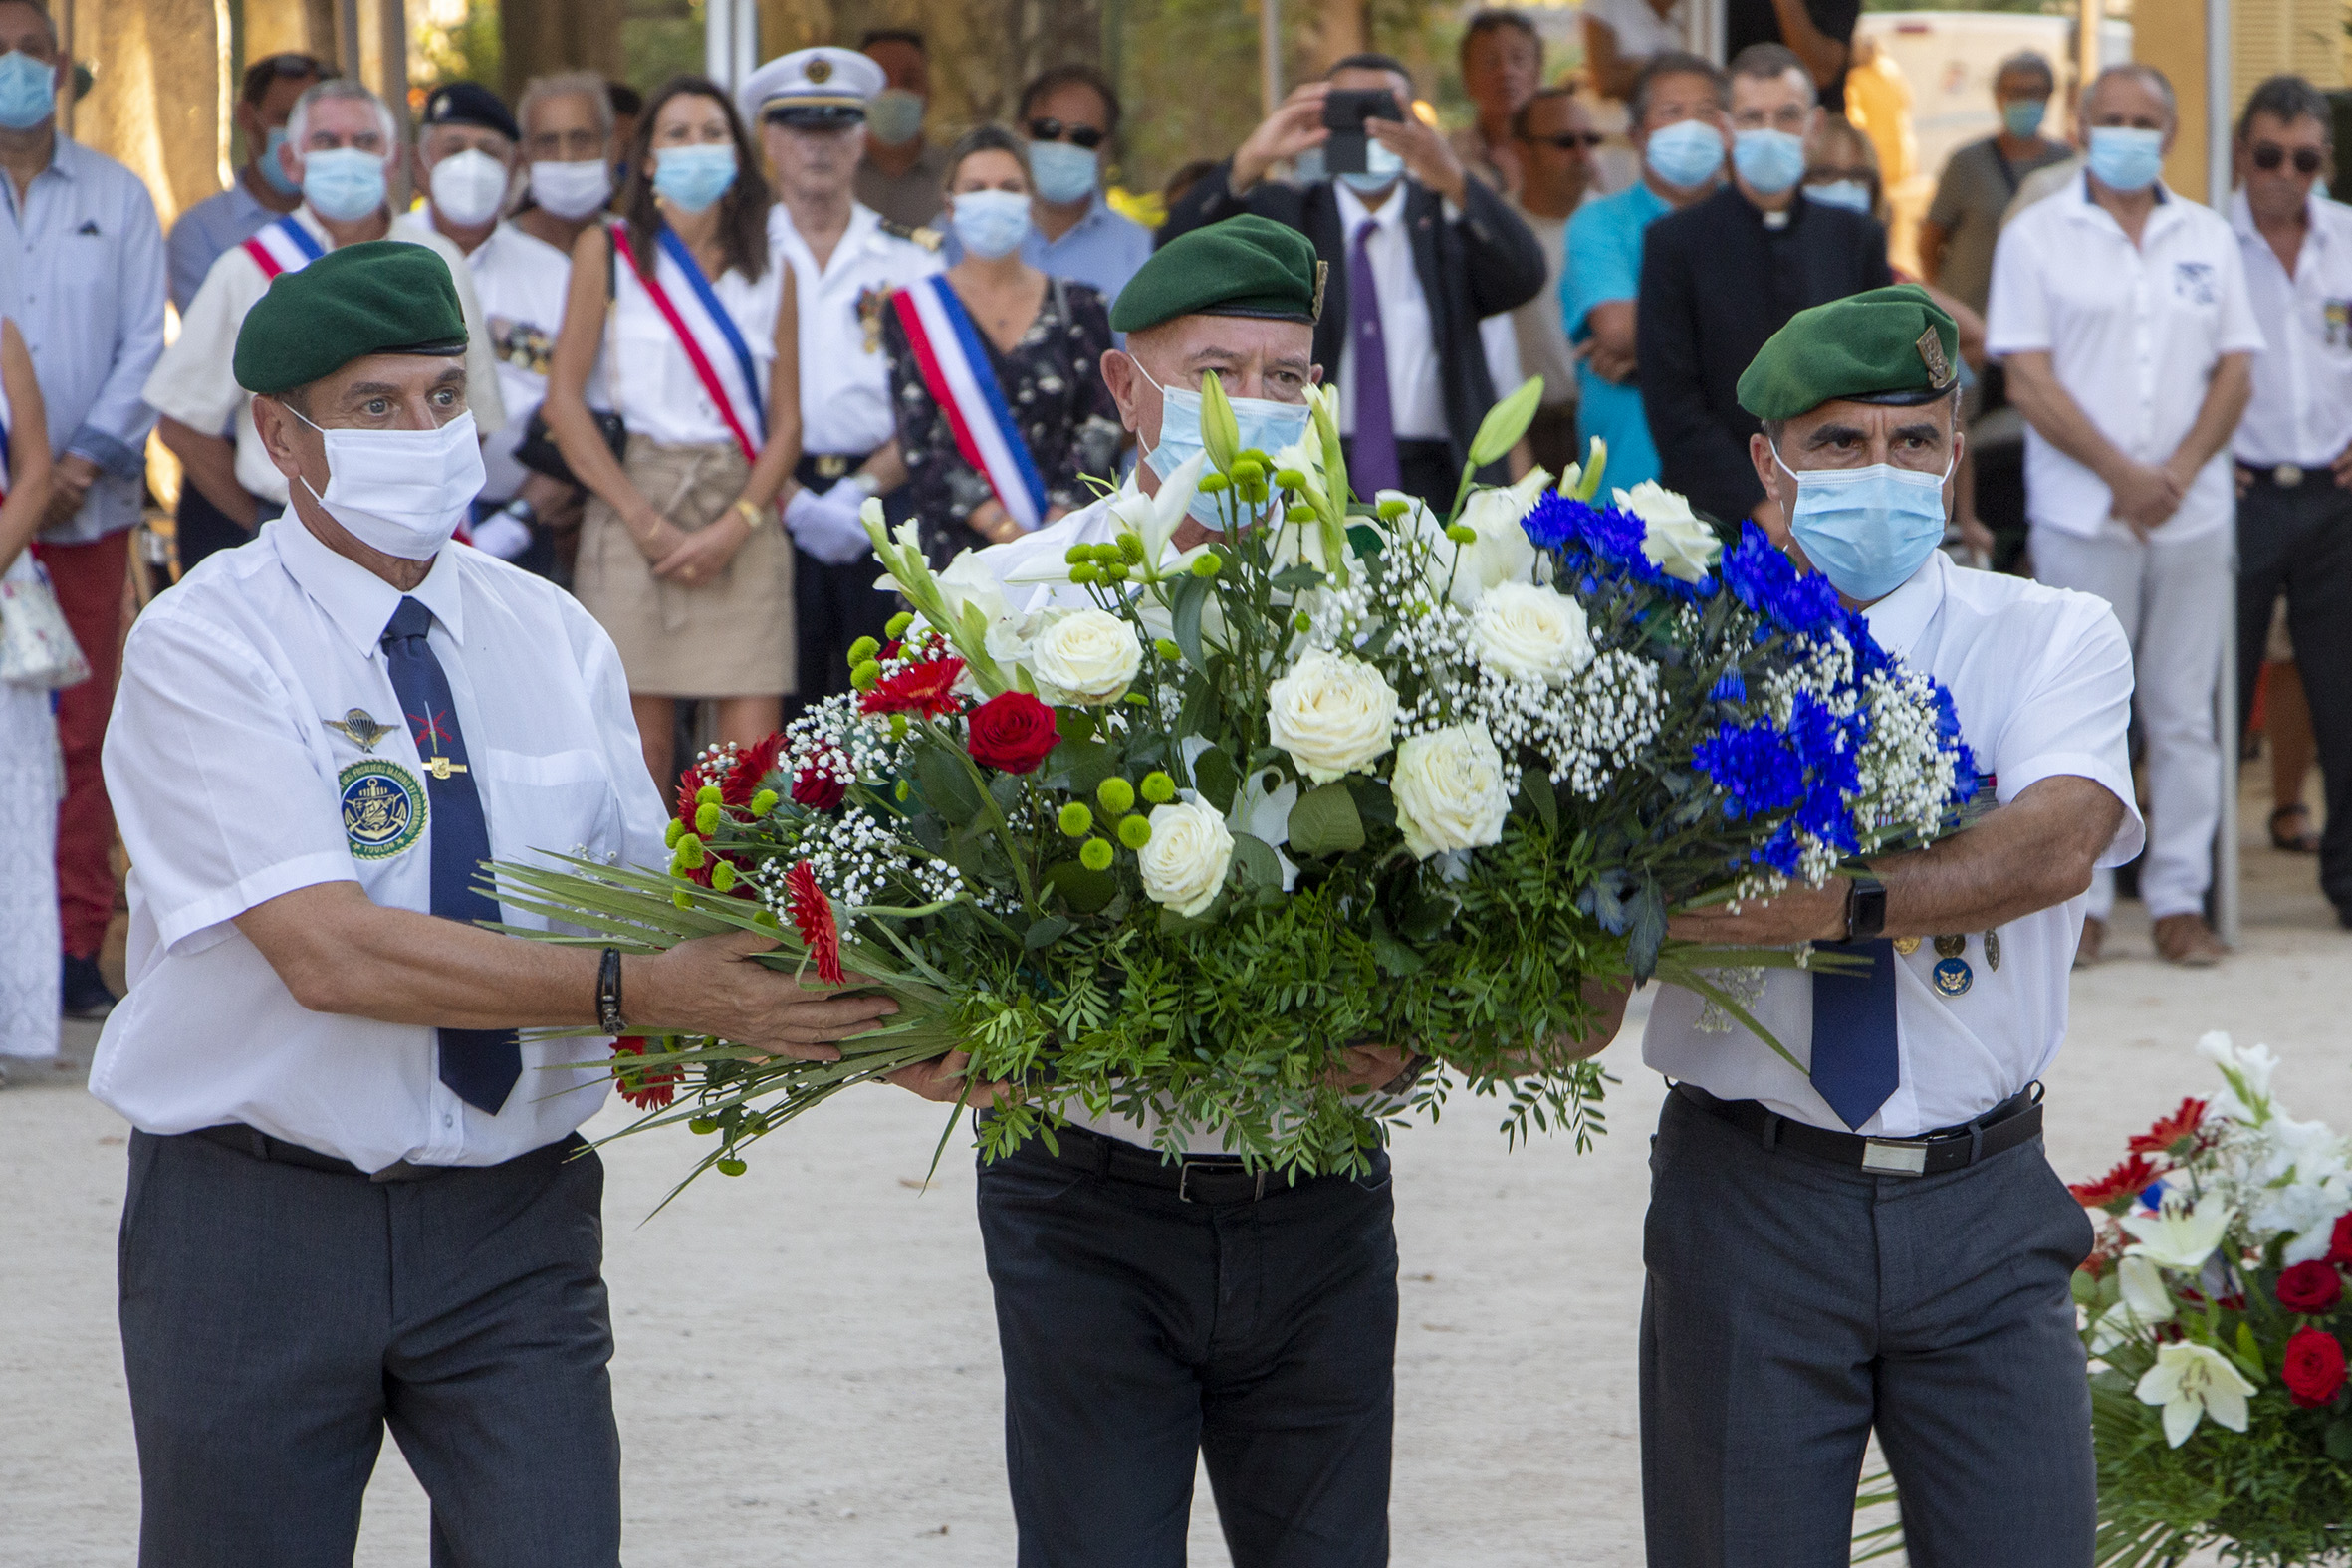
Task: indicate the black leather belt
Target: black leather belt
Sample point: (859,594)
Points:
(822,468)
(261,1146)
(2284,476)
(2006,1125)
(1197,1179)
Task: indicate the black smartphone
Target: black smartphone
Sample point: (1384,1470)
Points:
(1345,114)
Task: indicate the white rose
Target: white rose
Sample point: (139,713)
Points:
(1677,542)
(1087,657)
(1448,791)
(1503,551)
(1531,632)
(1184,865)
(1332,713)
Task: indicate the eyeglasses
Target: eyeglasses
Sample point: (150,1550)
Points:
(1567,141)
(1085,136)
(2270,154)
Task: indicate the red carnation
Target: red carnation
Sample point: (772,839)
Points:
(2171,1131)
(818,789)
(751,766)
(1012,730)
(2313,1366)
(813,914)
(647,1088)
(2117,1185)
(2339,1247)
(2310,1288)
(928,688)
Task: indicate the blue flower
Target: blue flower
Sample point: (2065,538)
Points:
(1755,766)
(1733,687)
(1766,581)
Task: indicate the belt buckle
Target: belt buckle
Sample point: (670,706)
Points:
(1894,1157)
(2286,476)
(1184,1180)
(831,465)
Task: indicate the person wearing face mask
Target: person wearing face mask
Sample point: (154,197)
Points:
(2120,310)
(82,275)
(1721,276)
(569,132)
(1109,1264)
(466,151)
(1677,107)
(1981,178)
(846,261)
(1418,254)
(343,1157)
(902,173)
(262,190)
(1042,342)
(1070,115)
(1888,1210)
(338,149)
(671,397)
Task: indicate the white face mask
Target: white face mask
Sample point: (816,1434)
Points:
(469,187)
(402,492)
(571,190)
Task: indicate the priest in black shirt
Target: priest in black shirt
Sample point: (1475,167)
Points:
(1721,276)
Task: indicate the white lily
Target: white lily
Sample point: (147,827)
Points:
(2143,1303)
(2247,1072)
(2192,1380)
(2178,1237)
(1503,553)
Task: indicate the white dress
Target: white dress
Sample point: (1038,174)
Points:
(28,768)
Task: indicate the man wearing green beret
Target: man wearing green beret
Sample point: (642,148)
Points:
(1877,1243)
(1155,1314)
(357,1199)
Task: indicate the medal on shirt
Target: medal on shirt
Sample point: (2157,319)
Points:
(1993,950)
(360,728)
(1906,945)
(383,807)
(431,733)
(870,316)
(1953,976)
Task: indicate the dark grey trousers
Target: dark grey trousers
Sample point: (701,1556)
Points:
(275,1319)
(2299,543)
(1794,1304)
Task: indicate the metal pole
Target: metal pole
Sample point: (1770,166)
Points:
(2086,48)
(747,41)
(2218,105)
(1269,52)
(347,37)
(718,39)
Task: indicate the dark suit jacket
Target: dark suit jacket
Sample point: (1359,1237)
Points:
(1714,284)
(1482,263)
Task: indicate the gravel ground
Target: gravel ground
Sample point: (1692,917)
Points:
(808,1369)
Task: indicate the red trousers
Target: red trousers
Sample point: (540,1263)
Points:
(89,581)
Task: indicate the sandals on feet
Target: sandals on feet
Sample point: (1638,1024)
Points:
(2303,842)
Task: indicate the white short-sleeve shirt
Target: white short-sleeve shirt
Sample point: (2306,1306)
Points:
(232,788)
(2301,408)
(2133,334)
(845,407)
(2041,680)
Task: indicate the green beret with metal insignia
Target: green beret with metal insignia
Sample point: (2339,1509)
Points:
(379,297)
(1243,266)
(1882,345)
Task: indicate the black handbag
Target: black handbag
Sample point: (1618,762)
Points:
(537,450)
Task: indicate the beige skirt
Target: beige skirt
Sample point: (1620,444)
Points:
(732,637)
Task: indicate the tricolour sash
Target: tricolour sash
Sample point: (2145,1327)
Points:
(283,246)
(714,344)
(955,369)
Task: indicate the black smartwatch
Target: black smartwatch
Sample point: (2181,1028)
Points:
(1866,908)
(608,993)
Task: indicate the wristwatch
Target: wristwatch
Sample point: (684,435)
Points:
(1866,908)
(608,993)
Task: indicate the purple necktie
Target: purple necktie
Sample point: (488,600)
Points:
(1372,461)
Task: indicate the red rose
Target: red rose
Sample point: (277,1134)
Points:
(2313,1366)
(2339,1250)
(1012,732)
(2311,1287)
(818,789)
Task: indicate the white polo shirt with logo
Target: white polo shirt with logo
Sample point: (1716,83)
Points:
(2301,410)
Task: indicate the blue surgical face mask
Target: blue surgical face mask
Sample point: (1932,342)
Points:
(1868,530)
(1383,165)
(1769,160)
(1062,174)
(1850,194)
(1264,423)
(342,183)
(28,91)
(2125,158)
(1687,153)
(691,178)
(991,223)
(2021,116)
(272,169)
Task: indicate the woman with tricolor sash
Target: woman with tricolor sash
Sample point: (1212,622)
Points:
(996,369)
(29,766)
(662,397)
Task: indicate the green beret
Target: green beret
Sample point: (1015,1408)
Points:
(380,297)
(1243,266)
(1882,345)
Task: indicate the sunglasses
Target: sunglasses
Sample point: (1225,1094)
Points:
(2269,156)
(1567,141)
(290,67)
(1085,137)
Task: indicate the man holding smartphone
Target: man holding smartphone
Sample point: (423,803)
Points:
(1416,252)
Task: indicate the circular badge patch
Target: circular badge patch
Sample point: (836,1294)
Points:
(383,807)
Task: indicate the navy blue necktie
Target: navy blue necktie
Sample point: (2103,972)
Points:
(479,1065)
(1856,1066)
